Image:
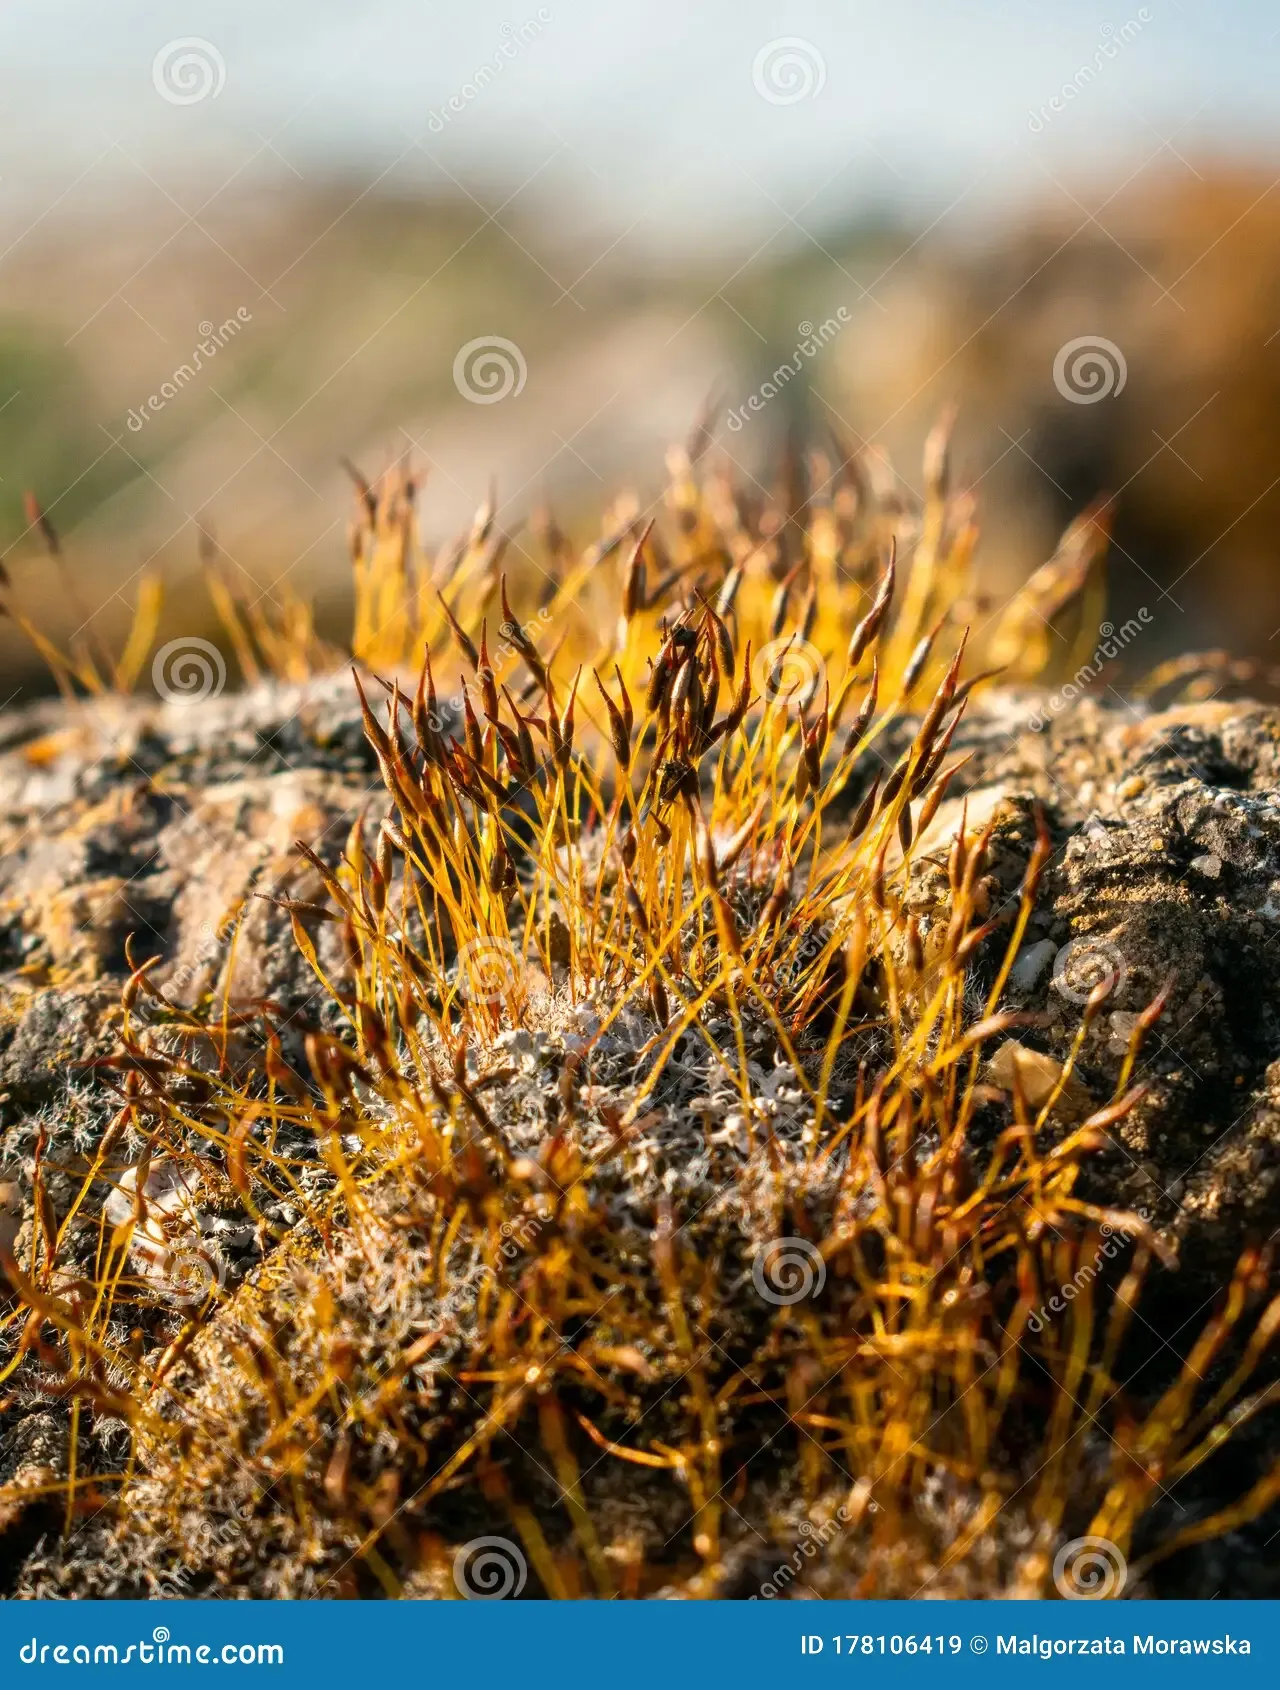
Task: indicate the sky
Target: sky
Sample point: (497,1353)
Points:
(691,119)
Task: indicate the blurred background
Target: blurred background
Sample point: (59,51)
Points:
(527,242)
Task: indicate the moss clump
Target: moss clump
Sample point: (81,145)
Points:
(653,1176)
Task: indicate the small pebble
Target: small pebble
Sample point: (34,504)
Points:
(1031,963)
(1122,1024)
(1210,865)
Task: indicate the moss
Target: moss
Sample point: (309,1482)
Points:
(596,1142)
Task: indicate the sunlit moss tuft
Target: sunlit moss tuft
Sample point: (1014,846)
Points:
(545,1207)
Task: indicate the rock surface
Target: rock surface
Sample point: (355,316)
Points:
(1165,874)
(163,822)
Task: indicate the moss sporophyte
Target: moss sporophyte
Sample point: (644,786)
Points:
(645,1193)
